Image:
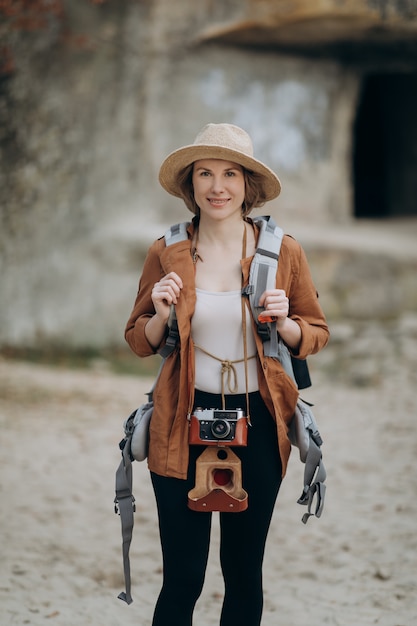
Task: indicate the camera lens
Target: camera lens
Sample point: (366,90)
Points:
(220,429)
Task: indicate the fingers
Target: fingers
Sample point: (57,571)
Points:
(276,305)
(167,290)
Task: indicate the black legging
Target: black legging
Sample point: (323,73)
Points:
(185,534)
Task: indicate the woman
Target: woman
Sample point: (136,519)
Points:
(220,182)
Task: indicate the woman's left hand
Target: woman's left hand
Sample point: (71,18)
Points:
(276,305)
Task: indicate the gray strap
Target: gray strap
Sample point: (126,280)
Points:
(173,335)
(284,357)
(176,233)
(262,276)
(124,504)
(314,477)
(314,470)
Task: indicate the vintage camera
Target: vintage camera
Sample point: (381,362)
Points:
(218,427)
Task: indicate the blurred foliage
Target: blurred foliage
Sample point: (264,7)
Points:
(30,16)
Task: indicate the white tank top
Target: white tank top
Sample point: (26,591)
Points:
(216,328)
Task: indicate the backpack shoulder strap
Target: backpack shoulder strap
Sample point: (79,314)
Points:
(262,276)
(174,234)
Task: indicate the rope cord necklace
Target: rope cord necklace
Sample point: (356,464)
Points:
(228,371)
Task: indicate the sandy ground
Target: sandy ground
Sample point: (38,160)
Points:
(61,545)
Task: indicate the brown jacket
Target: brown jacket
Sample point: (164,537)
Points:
(174,392)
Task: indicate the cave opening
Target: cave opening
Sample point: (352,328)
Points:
(385,147)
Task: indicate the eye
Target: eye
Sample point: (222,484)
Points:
(230,173)
(204,173)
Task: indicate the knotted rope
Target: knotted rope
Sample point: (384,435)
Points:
(227,372)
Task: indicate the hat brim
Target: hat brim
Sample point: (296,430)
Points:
(183,157)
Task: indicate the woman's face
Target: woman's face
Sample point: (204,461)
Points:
(219,187)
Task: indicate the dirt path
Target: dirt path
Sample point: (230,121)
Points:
(61,544)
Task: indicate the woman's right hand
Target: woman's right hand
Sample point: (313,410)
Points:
(165,293)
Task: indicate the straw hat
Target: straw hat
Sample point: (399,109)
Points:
(218,141)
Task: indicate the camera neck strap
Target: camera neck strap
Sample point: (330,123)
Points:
(228,370)
(244,331)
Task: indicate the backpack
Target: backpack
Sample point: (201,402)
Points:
(262,276)
(303,431)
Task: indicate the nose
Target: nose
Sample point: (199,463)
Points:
(217,184)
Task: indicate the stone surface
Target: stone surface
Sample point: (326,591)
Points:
(83,130)
(300,23)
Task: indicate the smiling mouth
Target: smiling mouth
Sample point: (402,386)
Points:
(218,201)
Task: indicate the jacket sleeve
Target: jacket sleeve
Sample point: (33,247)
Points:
(143,308)
(305,308)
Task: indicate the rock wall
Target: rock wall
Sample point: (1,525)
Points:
(85,123)
(326,24)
